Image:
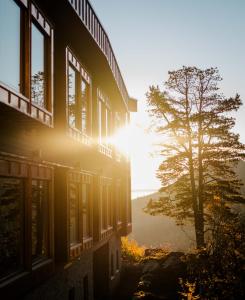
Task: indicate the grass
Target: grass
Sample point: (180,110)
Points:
(131,251)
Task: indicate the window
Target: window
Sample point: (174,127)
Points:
(26,59)
(86,210)
(40,198)
(72,97)
(25,212)
(79,97)
(72,293)
(104,120)
(38,72)
(85,288)
(11,225)
(118,200)
(84,105)
(74,212)
(112,265)
(117,260)
(10,35)
(80,197)
(106,204)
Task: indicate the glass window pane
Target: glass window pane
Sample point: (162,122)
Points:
(39,219)
(72,97)
(37,67)
(100,120)
(104,207)
(10,43)
(11,225)
(85,100)
(74,213)
(86,212)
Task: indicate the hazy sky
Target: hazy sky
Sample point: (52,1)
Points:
(150,37)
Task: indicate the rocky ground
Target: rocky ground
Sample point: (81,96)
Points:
(155,277)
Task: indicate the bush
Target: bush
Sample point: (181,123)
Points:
(218,271)
(131,251)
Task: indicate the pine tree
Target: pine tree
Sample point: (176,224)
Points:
(199,150)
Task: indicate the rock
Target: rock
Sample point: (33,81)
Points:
(173,260)
(144,285)
(150,266)
(152,251)
(146,296)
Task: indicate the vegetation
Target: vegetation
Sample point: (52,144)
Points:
(199,149)
(131,251)
(218,271)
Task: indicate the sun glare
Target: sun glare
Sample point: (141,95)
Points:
(121,140)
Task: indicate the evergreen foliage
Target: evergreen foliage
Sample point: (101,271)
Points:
(199,149)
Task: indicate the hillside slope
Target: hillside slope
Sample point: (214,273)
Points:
(159,230)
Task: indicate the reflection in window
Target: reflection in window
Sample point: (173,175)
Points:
(118,202)
(72,97)
(100,121)
(86,212)
(84,105)
(11,221)
(10,43)
(104,207)
(74,213)
(39,218)
(37,67)
(110,206)
(104,120)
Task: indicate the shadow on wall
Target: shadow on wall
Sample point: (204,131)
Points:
(155,231)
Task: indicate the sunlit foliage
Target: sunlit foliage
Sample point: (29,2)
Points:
(199,150)
(131,251)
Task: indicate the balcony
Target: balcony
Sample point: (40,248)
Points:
(22,104)
(90,20)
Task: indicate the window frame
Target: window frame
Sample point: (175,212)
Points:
(80,75)
(21,99)
(106,206)
(16,167)
(104,119)
(80,178)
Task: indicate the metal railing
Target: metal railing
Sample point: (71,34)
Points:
(89,18)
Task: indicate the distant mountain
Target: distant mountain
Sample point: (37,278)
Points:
(159,230)
(162,230)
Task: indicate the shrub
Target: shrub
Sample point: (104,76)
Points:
(131,251)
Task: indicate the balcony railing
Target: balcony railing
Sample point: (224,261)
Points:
(89,18)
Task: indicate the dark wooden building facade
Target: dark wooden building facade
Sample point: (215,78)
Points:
(64,187)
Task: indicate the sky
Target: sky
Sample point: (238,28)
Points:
(150,38)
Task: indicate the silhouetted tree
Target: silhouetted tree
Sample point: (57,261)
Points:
(199,149)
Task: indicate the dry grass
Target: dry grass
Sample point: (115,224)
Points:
(131,251)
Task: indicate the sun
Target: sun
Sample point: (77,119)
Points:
(121,139)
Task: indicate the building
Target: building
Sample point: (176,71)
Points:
(64,187)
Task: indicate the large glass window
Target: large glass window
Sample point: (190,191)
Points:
(84,106)
(40,198)
(86,210)
(74,213)
(10,15)
(118,203)
(11,225)
(37,66)
(79,97)
(100,121)
(104,122)
(106,206)
(72,97)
